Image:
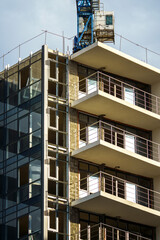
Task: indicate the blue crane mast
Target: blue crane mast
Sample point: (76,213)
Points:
(85,31)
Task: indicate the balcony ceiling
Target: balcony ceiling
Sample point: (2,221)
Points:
(102,152)
(104,203)
(99,103)
(101,56)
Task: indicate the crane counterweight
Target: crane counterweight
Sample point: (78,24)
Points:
(92,24)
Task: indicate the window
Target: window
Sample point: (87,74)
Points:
(11,181)
(12,84)
(23,225)
(53,223)
(109,20)
(34,176)
(129,95)
(23,126)
(88,130)
(51,187)
(36,71)
(29,223)
(29,180)
(35,120)
(52,168)
(2,96)
(92,133)
(130,142)
(89,183)
(34,170)
(23,183)
(87,221)
(11,150)
(131,192)
(23,144)
(11,230)
(12,132)
(35,220)
(92,85)
(53,66)
(35,89)
(53,119)
(134,228)
(24,77)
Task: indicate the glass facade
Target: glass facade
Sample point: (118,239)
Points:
(20,150)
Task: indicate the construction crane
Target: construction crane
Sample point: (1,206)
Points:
(93,24)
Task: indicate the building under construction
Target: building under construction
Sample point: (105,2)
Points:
(80,146)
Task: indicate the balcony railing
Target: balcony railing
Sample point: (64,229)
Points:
(121,188)
(120,138)
(106,232)
(119,89)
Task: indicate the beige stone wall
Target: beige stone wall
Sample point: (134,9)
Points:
(74,223)
(74,176)
(73,81)
(74,129)
(74,191)
(74,179)
(73,93)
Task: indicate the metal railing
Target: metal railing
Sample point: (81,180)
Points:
(47,37)
(118,187)
(119,137)
(119,89)
(103,231)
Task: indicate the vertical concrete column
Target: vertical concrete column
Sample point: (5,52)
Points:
(45,76)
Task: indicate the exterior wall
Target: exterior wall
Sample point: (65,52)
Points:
(74,179)
(74,186)
(158,233)
(74,176)
(74,224)
(73,130)
(73,81)
(155,89)
(156,133)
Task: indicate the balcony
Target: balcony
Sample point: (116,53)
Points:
(113,196)
(99,55)
(100,94)
(103,231)
(103,143)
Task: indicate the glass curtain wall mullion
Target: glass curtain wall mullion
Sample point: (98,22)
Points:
(14,116)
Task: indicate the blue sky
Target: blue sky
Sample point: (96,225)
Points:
(137,20)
